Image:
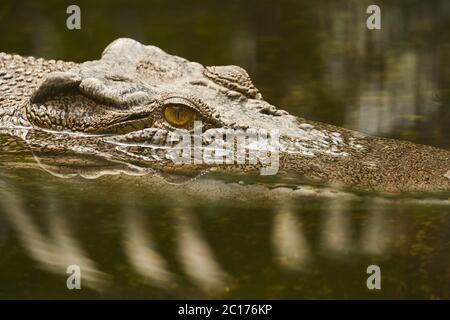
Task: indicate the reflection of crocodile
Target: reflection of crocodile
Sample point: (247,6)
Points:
(187,252)
(122,107)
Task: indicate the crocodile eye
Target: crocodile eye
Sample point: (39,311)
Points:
(178,115)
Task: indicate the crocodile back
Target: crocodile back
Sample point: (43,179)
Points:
(19,76)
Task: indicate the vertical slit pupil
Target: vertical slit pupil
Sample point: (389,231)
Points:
(178,115)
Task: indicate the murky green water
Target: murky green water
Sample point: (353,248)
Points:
(134,239)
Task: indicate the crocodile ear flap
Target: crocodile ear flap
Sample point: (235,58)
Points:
(55,83)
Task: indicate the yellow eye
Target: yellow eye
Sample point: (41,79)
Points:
(178,115)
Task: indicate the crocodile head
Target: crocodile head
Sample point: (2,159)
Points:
(131,111)
(136,96)
(131,87)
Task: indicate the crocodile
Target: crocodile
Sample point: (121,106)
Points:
(123,107)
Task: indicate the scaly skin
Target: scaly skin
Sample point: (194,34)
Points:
(112,109)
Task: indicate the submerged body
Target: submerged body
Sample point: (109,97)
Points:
(119,107)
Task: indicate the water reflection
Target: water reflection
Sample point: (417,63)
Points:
(142,253)
(54,252)
(377,232)
(176,250)
(196,256)
(337,233)
(291,247)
